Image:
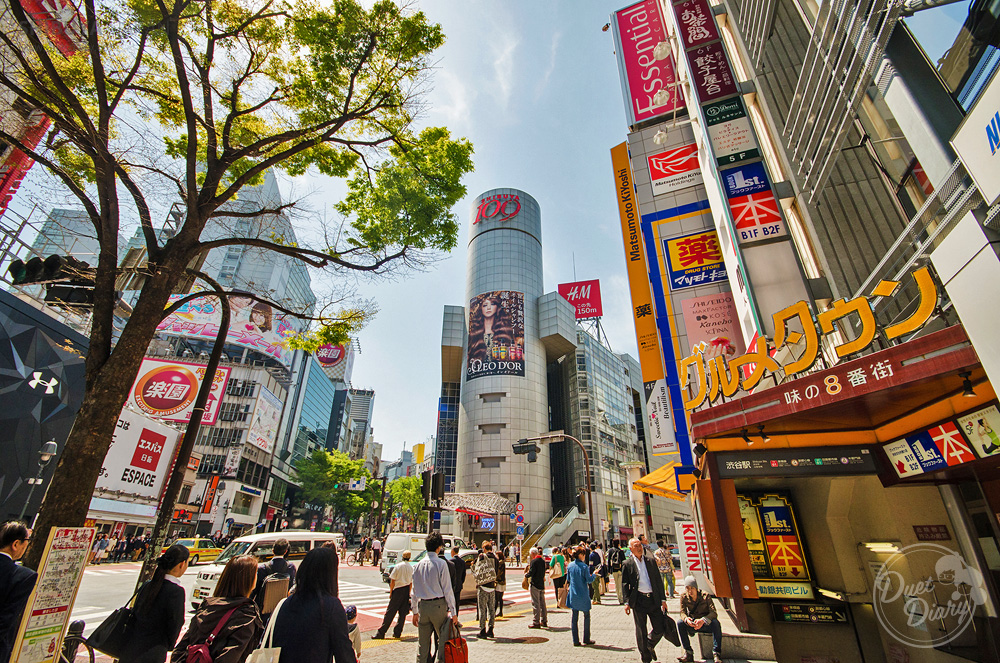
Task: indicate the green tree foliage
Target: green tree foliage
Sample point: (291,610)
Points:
(408,498)
(194,100)
(324,476)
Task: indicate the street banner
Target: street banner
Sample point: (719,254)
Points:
(40,635)
(496,334)
(140,456)
(167,389)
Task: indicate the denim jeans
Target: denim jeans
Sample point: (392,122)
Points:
(685,631)
(586,626)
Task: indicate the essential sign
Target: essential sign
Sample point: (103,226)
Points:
(638,29)
(674,169)
(140,456)
(585,296)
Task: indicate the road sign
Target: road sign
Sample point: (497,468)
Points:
(520,519)
(520,531)
(512,516)
(357,484)
(520,507)
(520,537)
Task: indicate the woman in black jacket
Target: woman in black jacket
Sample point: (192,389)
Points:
(158,610)
(241,632)
(311,625)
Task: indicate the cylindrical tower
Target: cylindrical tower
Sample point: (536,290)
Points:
(504,392)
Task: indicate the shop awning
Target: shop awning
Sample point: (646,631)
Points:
(662,482)
(480,504)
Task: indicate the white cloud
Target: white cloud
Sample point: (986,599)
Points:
(543,83)
(503,67)
(452,99)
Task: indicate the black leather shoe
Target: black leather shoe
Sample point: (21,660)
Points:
(378,636)
(589,642)
(489,634)
(482,635)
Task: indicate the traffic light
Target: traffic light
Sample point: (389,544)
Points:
(425,485)
(581,502)
(53,269)
(437,486)
(523,446)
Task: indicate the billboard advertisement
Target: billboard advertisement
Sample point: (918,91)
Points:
(638,29)
(585,296)
(331,355)
(711,73)
(674,169)
(140,456)
(712,325)
(693,260)
(496,334)
(266,417)
(253,325)
(729,129)
(167,389)
(756,213)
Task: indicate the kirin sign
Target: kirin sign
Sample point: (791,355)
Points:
(585,296)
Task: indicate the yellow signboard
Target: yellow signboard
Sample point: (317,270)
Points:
(638,271)
(418,453)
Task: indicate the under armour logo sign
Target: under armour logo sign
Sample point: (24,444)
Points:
(50,386)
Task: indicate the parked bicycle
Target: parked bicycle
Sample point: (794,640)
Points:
(73,641)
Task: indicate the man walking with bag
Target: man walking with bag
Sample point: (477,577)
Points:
(485,571)
(645,599)
(277,571)
(432,599)
(616,560)
(399,598)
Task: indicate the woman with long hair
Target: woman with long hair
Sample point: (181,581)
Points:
(578,598)
(489,325)
(158,611)
(260,316)
(311,625)
(242,627)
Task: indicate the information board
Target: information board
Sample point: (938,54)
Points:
(39,638)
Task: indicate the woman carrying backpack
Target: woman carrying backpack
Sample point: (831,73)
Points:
(501,584)
(227,624)
(485,571)
(159,611)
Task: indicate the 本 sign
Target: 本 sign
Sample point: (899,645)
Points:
(776,553)
(962,440)
(756,213)
(39,638)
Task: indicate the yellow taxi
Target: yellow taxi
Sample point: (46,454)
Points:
(202,550)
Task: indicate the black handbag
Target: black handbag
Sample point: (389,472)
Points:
(110,637)
(670,630)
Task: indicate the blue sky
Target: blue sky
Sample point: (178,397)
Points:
(534,85)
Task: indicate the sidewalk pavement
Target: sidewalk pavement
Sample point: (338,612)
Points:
(611,629)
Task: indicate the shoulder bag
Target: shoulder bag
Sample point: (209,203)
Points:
(202,652)
(116,630)
(266,652)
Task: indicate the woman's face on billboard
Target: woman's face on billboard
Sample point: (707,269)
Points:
(489,308)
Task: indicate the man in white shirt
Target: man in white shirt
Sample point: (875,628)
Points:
(431,598)
(376,551)
(400,580)
(644,599)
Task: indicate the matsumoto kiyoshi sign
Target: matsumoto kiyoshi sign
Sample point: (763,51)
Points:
(674,169)
(693,260)
(496,334)
(139,457)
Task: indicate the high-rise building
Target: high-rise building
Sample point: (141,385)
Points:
(360,427)
(68,232)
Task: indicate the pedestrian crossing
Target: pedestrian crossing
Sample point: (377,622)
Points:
(372,601)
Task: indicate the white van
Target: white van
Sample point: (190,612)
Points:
(415,542)
(260,546)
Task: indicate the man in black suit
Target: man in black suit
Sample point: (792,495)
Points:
(644,598)
(276,565)
(16,583)
(458,571)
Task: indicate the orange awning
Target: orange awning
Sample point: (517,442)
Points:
(662,482)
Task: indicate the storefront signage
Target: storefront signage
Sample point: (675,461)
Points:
(694,559)
(694,260)
(140,456)
(756,213)
(712,325)
(977,142)
(825,461)
(675,169)
(39,637)
(713,79)
(250,491)
(646,330)
(331,355)
(808,613)
(711,377)
(932,532)
(210,491)
(777,555)
(637,30)
(967,438)
(730,131)
(167,390)
(499,206)
(697,23)
(585,296)
(496,334)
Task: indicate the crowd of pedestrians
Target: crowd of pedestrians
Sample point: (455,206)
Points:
(300,611)
(113,548)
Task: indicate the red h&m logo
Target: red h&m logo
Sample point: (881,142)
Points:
(148,450)
(503,205)
(585,296)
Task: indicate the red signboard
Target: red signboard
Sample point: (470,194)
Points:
(710,70)
(676,168)
(697,24)
(331,355)
(585,296)
(640,28)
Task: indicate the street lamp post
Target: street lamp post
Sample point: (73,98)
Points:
(45,454)
(586,463)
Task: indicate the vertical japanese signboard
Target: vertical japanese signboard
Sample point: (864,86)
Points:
(756,213)
(637,30)
(730,132)
(140,456)
(661,422)
(39,638)
(777,557)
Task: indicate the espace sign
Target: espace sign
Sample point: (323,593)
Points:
(499,207)
(585,296)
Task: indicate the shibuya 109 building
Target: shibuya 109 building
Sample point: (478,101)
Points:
(514,365)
